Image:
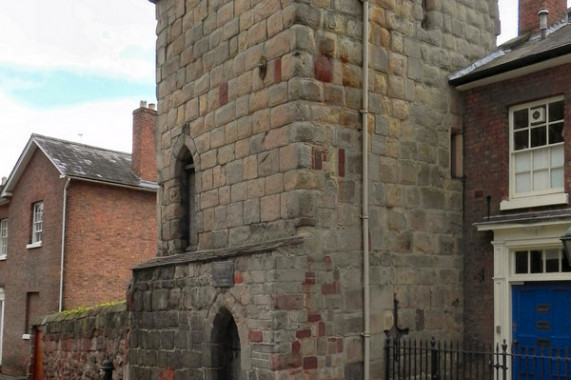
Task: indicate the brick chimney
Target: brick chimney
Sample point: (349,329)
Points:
(143,161)
(529,10)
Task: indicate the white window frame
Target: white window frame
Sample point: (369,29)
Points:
(37,225)
(551,196)
(509,238)
(3,238)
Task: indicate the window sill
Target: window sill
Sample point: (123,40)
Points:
(26,336)
(3,257)
(535,201)
(37,244)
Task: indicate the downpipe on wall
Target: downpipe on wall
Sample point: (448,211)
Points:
(63,226)
(365,194)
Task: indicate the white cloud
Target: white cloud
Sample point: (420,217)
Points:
(93,35)
(106,124)
(107,38)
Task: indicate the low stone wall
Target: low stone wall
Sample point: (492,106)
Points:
(73,345)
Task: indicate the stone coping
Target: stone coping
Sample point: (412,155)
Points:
(68,315)
(219,254)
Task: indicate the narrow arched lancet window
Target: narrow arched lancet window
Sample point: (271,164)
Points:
(187,224)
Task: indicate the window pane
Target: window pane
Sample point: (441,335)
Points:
(556,133)
(3,237)
(557,156)
(37,225)
(541,180)
(540,159)
(556,178)
(523,162)
(538,137)
(537,115)
(521,139)
(556,111)
(552,261)
(521,119)
(521,262)
(536,262)
(522,182)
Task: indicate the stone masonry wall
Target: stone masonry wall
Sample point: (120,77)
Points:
(73,345)
(280,313)
(266,96)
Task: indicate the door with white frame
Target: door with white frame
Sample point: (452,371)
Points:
(529,268)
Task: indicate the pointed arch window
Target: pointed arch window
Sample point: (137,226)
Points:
(187,182)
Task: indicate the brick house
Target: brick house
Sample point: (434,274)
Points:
(74,219)
(287,236)
(517,107)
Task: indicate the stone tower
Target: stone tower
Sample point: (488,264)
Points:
(263,268)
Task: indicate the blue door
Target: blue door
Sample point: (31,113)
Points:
(541,322)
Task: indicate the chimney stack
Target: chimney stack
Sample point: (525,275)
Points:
(531,11)
(143,160)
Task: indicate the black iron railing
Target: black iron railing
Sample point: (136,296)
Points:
(422,360)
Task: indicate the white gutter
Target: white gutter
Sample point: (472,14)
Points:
(63,227)
(365,195)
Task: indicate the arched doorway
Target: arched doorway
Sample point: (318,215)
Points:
(226,346)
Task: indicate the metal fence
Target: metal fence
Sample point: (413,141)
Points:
(422,360)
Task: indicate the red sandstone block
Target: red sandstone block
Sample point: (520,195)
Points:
(310,362)
(309,278)
(313,317)
(341,162)
(323,68)
(223,94)
(278,70)
(300,334)
(321,328)
(296,346)
(332,288)
(256,336)
(167,374)
(289,301)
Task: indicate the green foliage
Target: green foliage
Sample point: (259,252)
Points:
(85,309)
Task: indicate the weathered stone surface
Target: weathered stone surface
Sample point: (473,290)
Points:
(267,98)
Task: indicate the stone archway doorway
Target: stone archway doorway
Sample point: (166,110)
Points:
(227,347)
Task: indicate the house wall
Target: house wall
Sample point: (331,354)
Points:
(109,230)
(30,270)
(279,156)
(486,150)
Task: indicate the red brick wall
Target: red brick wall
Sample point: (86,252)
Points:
(75,348)
(528,9)
(30,270)
(143,155)
(109,230)
(486,160)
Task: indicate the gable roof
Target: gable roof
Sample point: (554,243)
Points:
(79,161)
(519,56)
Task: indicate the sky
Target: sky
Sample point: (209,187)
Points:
(76,69)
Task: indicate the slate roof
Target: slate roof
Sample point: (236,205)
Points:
(517,53)
(89,162)
(79,161)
